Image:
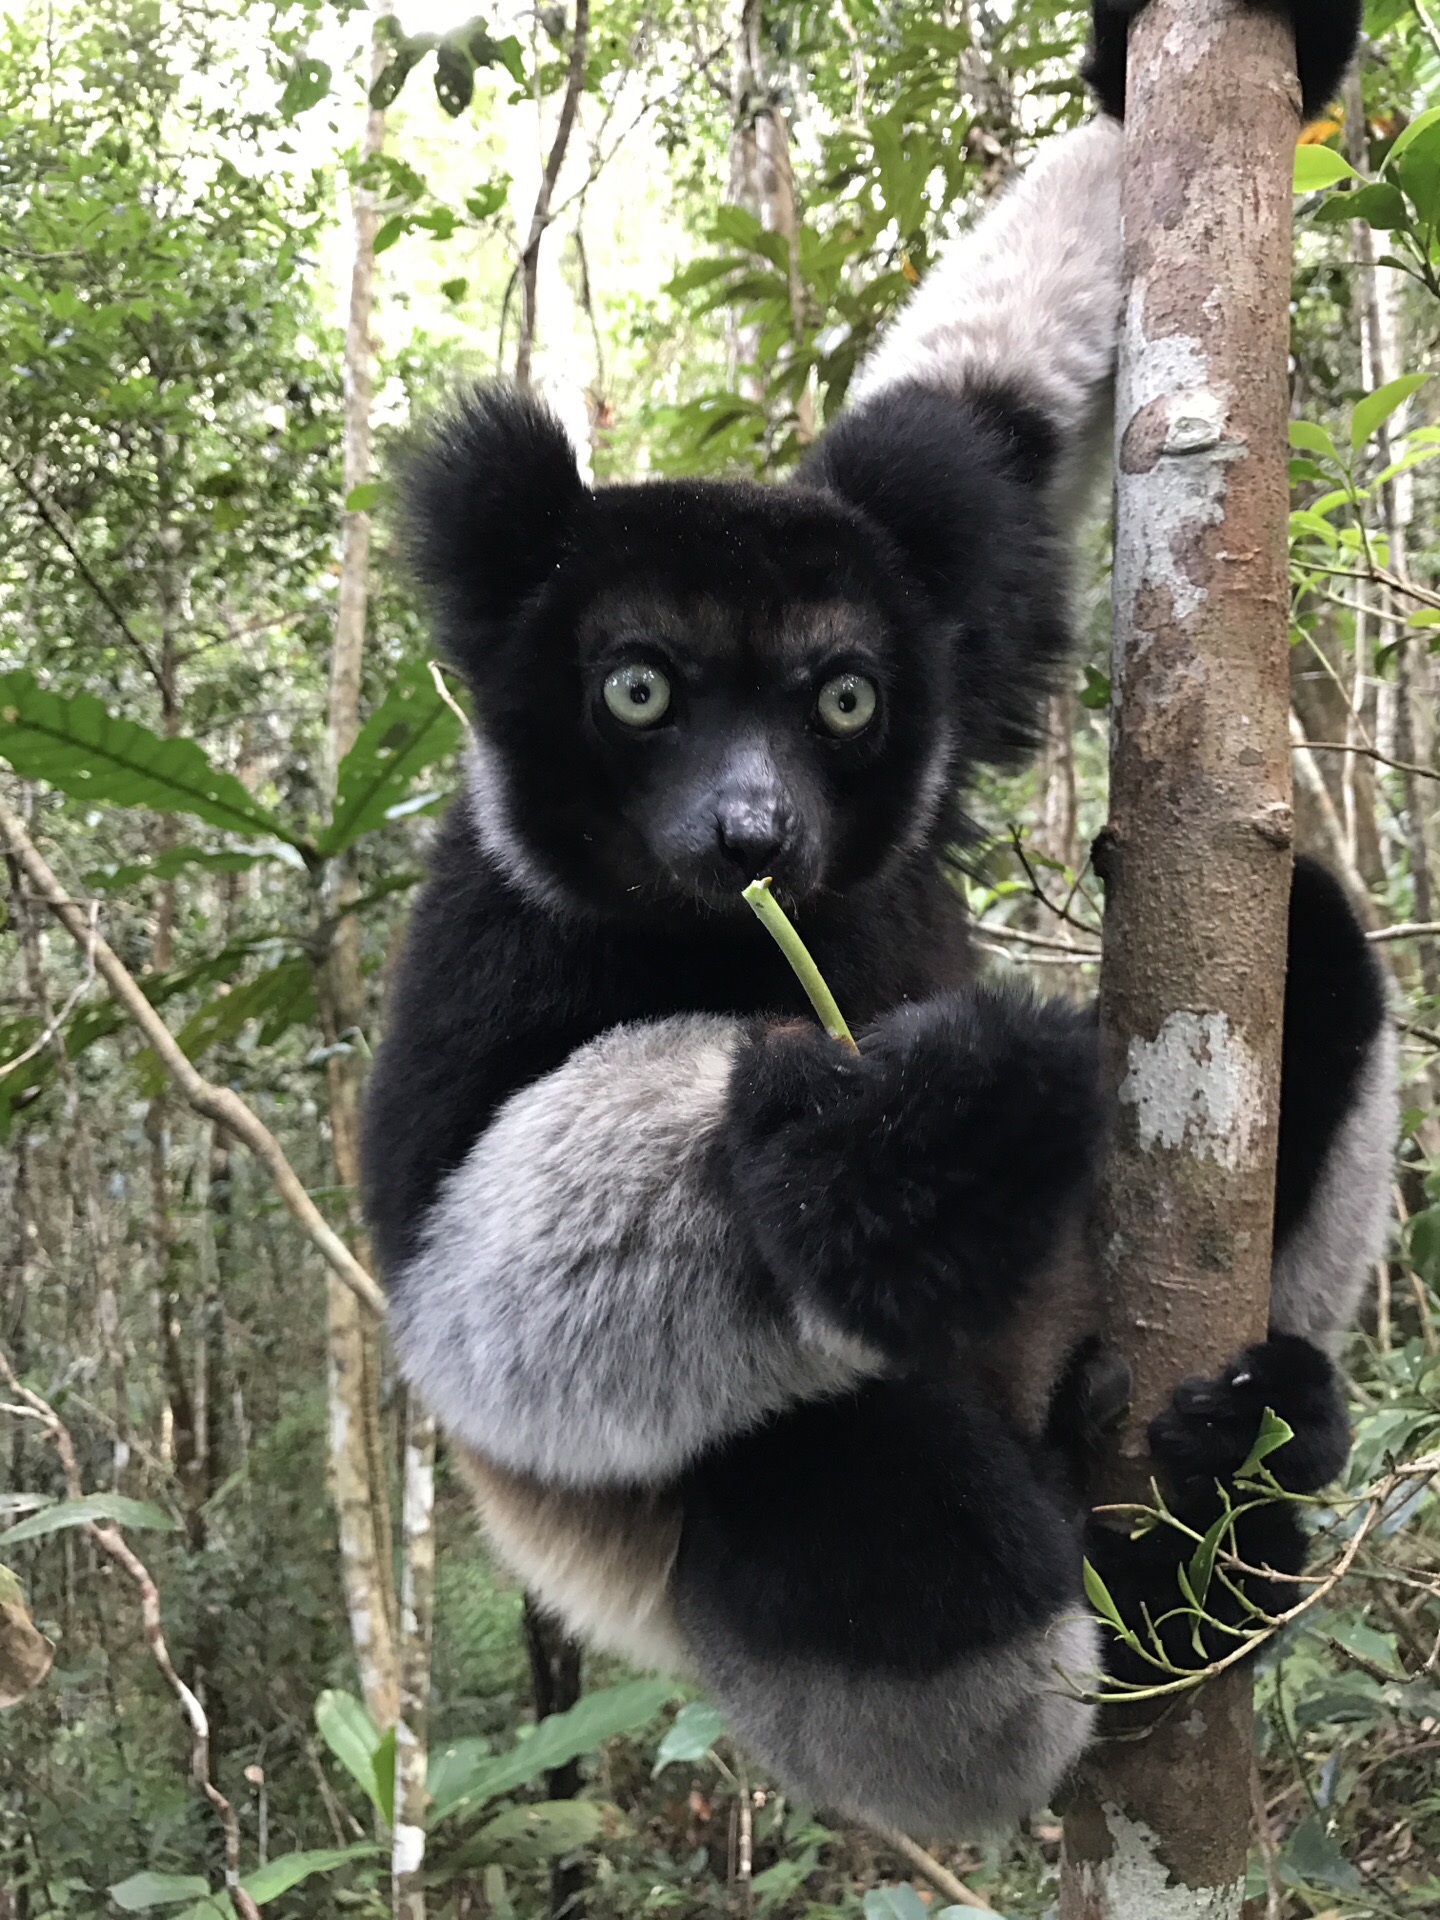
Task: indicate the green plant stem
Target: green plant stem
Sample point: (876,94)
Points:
(776,922)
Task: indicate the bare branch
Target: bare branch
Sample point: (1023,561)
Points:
(215,1103)
(540,219)
(930,1869)
(1373,753)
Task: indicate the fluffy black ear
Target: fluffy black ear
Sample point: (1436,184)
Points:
(956,481)
(491,501)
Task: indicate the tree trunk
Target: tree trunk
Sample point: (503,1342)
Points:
(1196,858)
(417,1608)
(357,1459)
(763,182)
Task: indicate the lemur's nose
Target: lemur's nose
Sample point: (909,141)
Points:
(751,832)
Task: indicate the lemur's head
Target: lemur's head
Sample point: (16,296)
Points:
(682,685)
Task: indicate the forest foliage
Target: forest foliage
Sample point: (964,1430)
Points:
(174,226)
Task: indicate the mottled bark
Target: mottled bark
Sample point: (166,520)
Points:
(357,1463)
(762,181)
(1196,858)
(417,1608)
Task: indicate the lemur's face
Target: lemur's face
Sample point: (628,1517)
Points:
(730,682)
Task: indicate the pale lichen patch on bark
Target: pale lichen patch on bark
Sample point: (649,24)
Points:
(1197,1088)
(1132,1883)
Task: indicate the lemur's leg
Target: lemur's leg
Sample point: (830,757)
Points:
(878,1590)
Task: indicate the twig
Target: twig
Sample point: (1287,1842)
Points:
(215,1103)
(1407,930)
(112,1542)
(1372,753)
(540,219)
(1061,913)
(924,1863)
(776,922)
(82,567)
(50,1029)
(1025,939)
(1381,577)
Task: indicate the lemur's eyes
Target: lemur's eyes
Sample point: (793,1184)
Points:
(847,703)
(637,695)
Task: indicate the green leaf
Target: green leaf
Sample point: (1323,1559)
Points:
(1317,167)
(353,1738)
(384,1768)
(174,861)
(74,742)
(362,498)
(289,1869)
(307,86)
(1202,1561)
(455,289)
(895,1903)
(409,731)
(1379,203)
(692,1733)
(281,997)
(1098,1594)
(1095,694)
(558,1739)
(142,1891)
(1312,438)
(118,1507)
(508,53)
(1425,1245)
(488,199)
(390,231)
(1409,134)
(1376,408)
(1273,1434)
(1312,1858)
(454,79)
(525,1836)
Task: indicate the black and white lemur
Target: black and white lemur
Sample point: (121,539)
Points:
(771,1363)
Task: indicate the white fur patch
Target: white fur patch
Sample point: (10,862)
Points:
(583,1307)
(951,1755)
(1320,1273)
(1029,297)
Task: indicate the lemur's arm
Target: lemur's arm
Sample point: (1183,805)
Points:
(1021,316)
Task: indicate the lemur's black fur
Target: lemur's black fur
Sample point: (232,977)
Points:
(811,1327)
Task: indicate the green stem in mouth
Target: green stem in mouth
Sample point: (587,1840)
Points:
(776,922)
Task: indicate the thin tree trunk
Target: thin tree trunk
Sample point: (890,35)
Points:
(417,1605)
(762,181)
(540,218)
(1196,857)
(357,1461)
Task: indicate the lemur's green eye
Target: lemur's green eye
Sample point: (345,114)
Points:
(847,703)
(637,695)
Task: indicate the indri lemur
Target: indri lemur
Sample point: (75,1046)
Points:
(766,1361)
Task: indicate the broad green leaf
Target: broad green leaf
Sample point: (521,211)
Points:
(1273,1434)
(142,1891)
(175,861)
(1425,1244)
(307,86)
(362,498)
(409,731)
(118,1507)
(524,1836)
(1095,694)
(692,1733)
(1376,408)
(1380,203)
(450,1767)
(289,1869)
(559,1738)
(353,1738)
(1310,437)
(75,743)
(384,1766)
(895,1903)
(1409,134)
(281,997)
(1317,167)
(1202,1561)
(1312,1858)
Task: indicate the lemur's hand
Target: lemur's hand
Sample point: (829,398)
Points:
(1209,1427)
(1326,35)
(910,1189)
